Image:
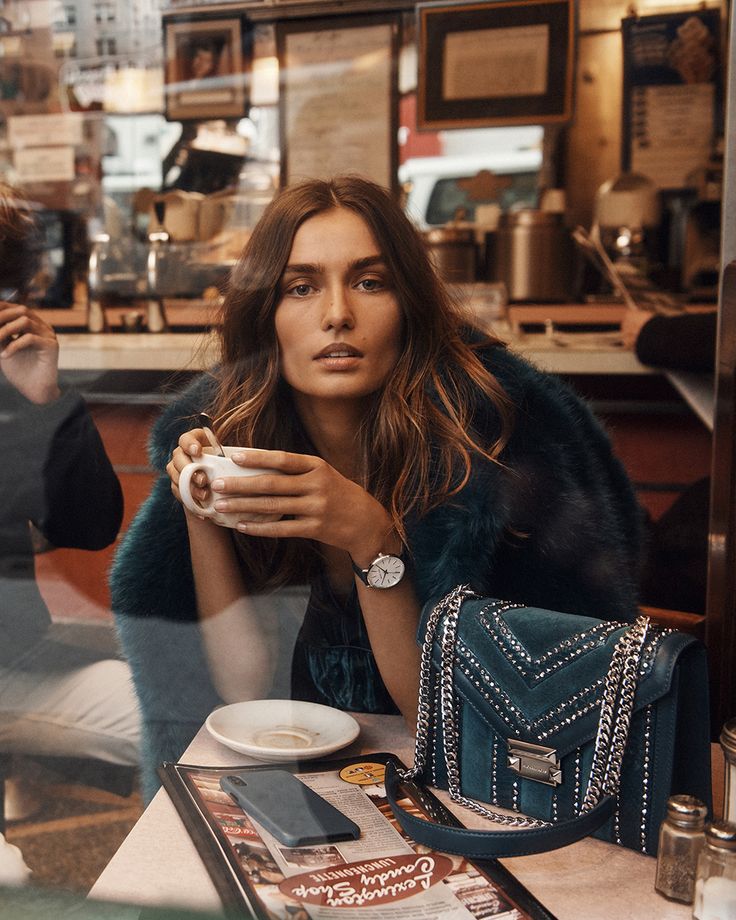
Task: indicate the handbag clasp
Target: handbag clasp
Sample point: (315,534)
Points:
(534,761)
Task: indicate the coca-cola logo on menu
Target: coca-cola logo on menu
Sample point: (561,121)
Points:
(370,882)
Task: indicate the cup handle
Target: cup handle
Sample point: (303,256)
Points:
(185,481)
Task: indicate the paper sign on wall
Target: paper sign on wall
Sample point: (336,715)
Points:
(36,130)
(44,164)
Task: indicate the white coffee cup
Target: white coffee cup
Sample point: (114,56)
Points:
(216,467)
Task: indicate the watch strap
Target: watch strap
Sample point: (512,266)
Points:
(361,573)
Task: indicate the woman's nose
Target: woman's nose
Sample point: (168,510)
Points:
(337,311)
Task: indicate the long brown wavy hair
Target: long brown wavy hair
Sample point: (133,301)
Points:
(417,440)
(19,242)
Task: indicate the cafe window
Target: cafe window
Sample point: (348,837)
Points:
(105,12)
(106,46)
(122,187)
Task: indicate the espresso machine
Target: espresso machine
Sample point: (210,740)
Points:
(701,233)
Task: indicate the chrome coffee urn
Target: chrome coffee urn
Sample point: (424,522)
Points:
(532,252)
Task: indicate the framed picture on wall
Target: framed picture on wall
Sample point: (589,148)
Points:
(208,59)
(486,64)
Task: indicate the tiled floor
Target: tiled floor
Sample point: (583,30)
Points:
(75,833)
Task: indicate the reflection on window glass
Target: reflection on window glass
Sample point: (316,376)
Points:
(449,200)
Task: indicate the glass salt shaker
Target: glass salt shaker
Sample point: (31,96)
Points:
(728,744)
(715,885)
(680,842)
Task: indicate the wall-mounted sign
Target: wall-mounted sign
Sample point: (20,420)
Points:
(39,130)
(338,98)
(44,164)
(499,63)
(672,94)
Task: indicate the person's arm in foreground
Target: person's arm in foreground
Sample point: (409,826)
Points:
(318,503)
(241,647)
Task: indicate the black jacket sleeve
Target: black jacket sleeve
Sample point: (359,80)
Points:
(679,343)
(64,481)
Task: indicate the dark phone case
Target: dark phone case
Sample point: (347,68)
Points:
(291,811)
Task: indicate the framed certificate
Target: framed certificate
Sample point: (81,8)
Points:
(502,63)
(339,98)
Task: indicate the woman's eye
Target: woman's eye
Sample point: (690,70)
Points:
(300,290)
(371,284)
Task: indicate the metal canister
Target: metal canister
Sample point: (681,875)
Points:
(728,744)
(453,252)
(532,253)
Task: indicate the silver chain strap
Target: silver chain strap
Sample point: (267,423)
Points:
(617,708)
(613,726)
(424,707)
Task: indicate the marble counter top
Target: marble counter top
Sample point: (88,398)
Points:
(577,353)
(178,351)
(168,351)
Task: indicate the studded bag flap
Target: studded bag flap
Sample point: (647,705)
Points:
(571,724)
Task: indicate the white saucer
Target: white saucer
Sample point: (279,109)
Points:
(276,730)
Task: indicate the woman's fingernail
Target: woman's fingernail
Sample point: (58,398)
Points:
(221,505)
(237,458)
(218,485)
(242,527)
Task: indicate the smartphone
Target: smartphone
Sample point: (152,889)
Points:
(295,814)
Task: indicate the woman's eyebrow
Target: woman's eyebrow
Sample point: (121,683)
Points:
(311,268)
(304,268)
(367,262)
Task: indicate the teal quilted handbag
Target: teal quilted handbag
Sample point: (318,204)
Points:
(573,725)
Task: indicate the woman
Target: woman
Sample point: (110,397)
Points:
(391,433)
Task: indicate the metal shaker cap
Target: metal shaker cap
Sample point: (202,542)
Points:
(728,739)
(686,810)
(721,834)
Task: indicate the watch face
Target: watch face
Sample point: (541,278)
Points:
(385,572)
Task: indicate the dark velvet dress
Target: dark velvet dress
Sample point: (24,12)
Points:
(333,662)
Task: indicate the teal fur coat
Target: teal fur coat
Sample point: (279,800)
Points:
(556,525)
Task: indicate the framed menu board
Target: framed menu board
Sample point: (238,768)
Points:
(672,93)
(338,98)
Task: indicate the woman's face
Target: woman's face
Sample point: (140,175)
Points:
(338,324)
(203,63)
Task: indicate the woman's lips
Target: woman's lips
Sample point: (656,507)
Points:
(339,362)
(339,357)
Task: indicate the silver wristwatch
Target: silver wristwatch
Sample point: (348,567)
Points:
(385,571)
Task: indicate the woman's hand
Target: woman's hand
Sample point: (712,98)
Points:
(631,326)
(29,353)
(313,500)
(189,449)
